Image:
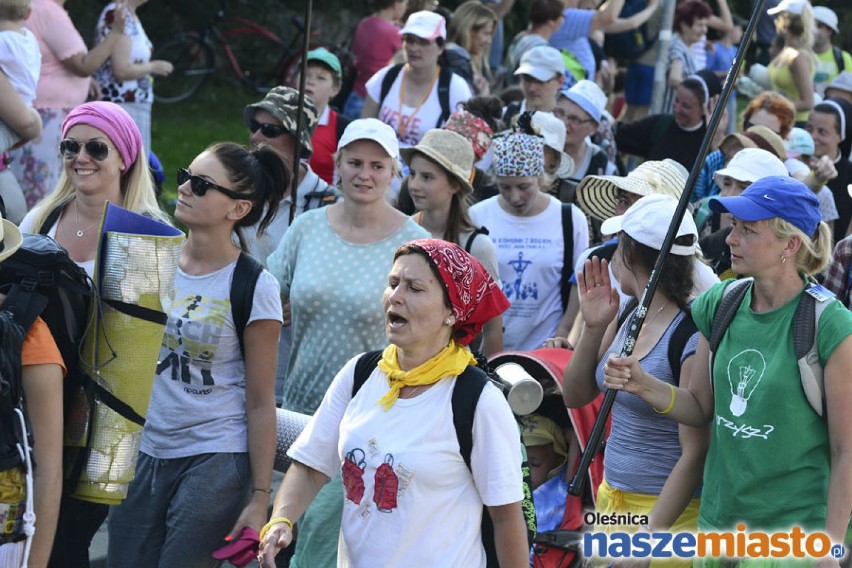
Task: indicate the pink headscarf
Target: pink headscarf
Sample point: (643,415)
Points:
(113,121)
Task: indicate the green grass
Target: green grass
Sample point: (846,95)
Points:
(180,131)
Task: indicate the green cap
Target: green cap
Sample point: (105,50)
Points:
(325,56)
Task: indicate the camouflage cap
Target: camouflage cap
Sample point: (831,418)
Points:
(283,104)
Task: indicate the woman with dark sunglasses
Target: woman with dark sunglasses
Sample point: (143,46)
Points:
(205,467)
(103,161)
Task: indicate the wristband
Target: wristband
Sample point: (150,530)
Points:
(274,521)
(671,403)
(267,491)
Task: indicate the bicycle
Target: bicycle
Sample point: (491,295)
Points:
(256,56)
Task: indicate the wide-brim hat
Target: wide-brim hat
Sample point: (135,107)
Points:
(283,104)
(448,149)
(10,239)
(597,195)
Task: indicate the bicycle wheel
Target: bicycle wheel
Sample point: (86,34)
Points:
(193,62)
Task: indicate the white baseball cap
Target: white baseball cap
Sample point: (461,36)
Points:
(425,24)
(752,164)
(791,6)
(371,129)
(842,82)
(647,221)
(827,17)
(542,62)
(553,131)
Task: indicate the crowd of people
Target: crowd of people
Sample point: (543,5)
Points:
(457,204)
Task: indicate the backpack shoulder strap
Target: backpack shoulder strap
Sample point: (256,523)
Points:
(51,219)
(388,80)
(597,165)
(838,58)
(677,343)
(732,297)
(23,305)
(805,333)
(568,254)
(466,394)
(625,313)
(243,283)
(364,368)
(445,77)
(469,243)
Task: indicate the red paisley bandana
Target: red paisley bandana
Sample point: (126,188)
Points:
(474,295)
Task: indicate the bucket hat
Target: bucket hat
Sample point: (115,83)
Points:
(448,149)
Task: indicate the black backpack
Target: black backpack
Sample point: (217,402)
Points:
(465,396)
(15,434)
(444,78)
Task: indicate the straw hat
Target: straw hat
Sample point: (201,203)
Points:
(10,239)
(596,195)
(448,149)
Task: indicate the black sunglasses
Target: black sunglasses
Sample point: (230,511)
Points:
(96,149)
(200,186)
(268,130)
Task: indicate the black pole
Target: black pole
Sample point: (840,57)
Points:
(297,150)
(596,437)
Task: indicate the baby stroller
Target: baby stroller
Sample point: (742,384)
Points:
(560,547)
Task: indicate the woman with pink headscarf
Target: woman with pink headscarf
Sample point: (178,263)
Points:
(102,159)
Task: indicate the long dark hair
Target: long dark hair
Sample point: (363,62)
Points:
(676,280)
(458,220)
(261,175)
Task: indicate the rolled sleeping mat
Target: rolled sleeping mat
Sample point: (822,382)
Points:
(290,425)
(134,275)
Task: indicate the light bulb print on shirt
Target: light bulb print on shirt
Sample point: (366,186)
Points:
(745,371)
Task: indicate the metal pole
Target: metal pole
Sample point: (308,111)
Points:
(297,150)
(596,437)
(665,40)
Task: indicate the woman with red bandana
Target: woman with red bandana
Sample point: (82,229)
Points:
(398,428)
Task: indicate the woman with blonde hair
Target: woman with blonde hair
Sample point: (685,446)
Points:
(792,71)
(104,161)
(469,40)
(768,440)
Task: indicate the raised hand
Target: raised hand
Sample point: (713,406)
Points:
(598,299)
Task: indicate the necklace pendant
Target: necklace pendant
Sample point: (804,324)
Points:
(79,234)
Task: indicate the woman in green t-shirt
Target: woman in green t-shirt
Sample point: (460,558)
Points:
(773,462)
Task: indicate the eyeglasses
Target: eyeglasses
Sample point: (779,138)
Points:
(96,149)
(268,130)
(573,119)
(200,186)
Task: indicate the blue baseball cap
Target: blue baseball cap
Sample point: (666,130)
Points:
(774,196)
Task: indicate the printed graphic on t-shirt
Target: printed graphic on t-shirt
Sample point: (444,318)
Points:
(745,374)
(412,129)
(389,483)
(194,338)
(745,370)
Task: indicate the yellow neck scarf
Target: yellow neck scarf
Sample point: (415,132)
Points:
(451,361)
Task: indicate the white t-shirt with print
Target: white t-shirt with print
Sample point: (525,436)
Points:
(409,497)
(425,118)
(198,404)
(530,253)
